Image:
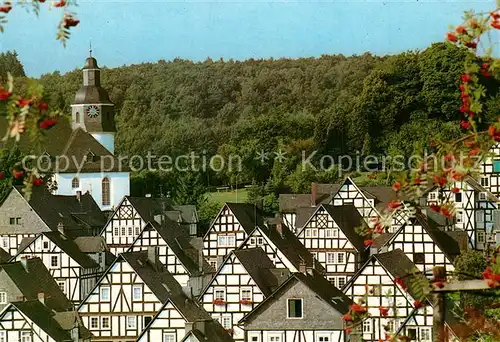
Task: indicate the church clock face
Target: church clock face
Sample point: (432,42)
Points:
(92,111)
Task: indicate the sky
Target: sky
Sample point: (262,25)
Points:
(130,32)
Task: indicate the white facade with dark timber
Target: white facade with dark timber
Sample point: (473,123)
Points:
(75,272)
(126,298)
(232,226)
(330,236)
(350,193)
(418,325)
(375,283)
(241,283)
(425,245)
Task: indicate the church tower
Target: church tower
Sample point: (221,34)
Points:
(92,109)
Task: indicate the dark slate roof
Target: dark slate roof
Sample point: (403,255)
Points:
(37,279)
(4,256)
(288,203)
(91,244)
(188,213)
(317,283)
(289,244)
(260,268)
(155,275)
(398,265)
(381,194)
(248,215)
(303,215)
(348,218)
(48,321)
(214,332)
(68,246)
(445,242)
(178,240)
(148,207)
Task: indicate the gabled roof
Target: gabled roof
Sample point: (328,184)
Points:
(67,245)
(289,244)
(289,203)
(214,332)
(35,279)
(303,215)
(50,322)
(323,289)
(187,212)
(4,256)
(348,218)
(178,240)
(260,268)
(148,207)
(91,244)
(248,215)
(155,275)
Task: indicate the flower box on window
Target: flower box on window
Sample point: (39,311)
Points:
(245,301)
(219,302)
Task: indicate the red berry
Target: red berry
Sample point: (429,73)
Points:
(451,37)
(2,175)
(466,78)
(4,94)
(461,30)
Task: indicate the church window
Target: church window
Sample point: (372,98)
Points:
(77,117)
(105,191)
(75,183)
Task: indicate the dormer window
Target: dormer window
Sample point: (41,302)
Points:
(75,183)
(90,157)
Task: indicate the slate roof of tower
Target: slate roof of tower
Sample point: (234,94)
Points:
(34,280)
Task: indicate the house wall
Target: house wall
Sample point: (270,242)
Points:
(10,288)
(13,324)
(14,206)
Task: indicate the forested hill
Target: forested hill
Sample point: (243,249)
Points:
(334,104)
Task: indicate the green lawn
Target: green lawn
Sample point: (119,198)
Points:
(239,196)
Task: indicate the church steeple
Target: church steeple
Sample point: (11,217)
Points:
(92,109)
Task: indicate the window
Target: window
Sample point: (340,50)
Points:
(75,183)
(131,322)
(330,258)
(425,334)
(496,166)
(104,322)
(226,322)
(105,191)
(5,242)
(323,339)
(274,338)
(26,336)
(3,297)
(294,308)
(18,220)
(3,337)
(328,233)
(124,231)
(46,245)
(254,338)
(480,216)
(169,337)
(213,263)
(340,258)
(260,241)
(137,230)
(226,240)
(483,196)
(130,231)
(308,233)
(459,216)
(432,196)
(104,293)
(246,294)
(485,181)
(331,280)
(94,323)
(116,231)
(137,293)
(252,241)
(77,117)
(341,281)
(220,294)
(147,320)
(12,221)
(412,334)
(54,261)
(367,326)
(62,286)
(419,258)
(314,232)
(458,197)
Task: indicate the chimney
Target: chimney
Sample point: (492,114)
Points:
(60,227)
(152,253)
(302,267)
(24,263)
(78,195)
(313,194)
(41,297)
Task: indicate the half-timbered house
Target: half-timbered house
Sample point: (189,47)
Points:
(330,236)
(474,209)
(305,308)
(281,245)
(35,321)
(425,244)
(375,284)
(128,296)
(25,280)
(210,331)
(175,251)
(44,212)
(229,230)
(243,281)
(75,272)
